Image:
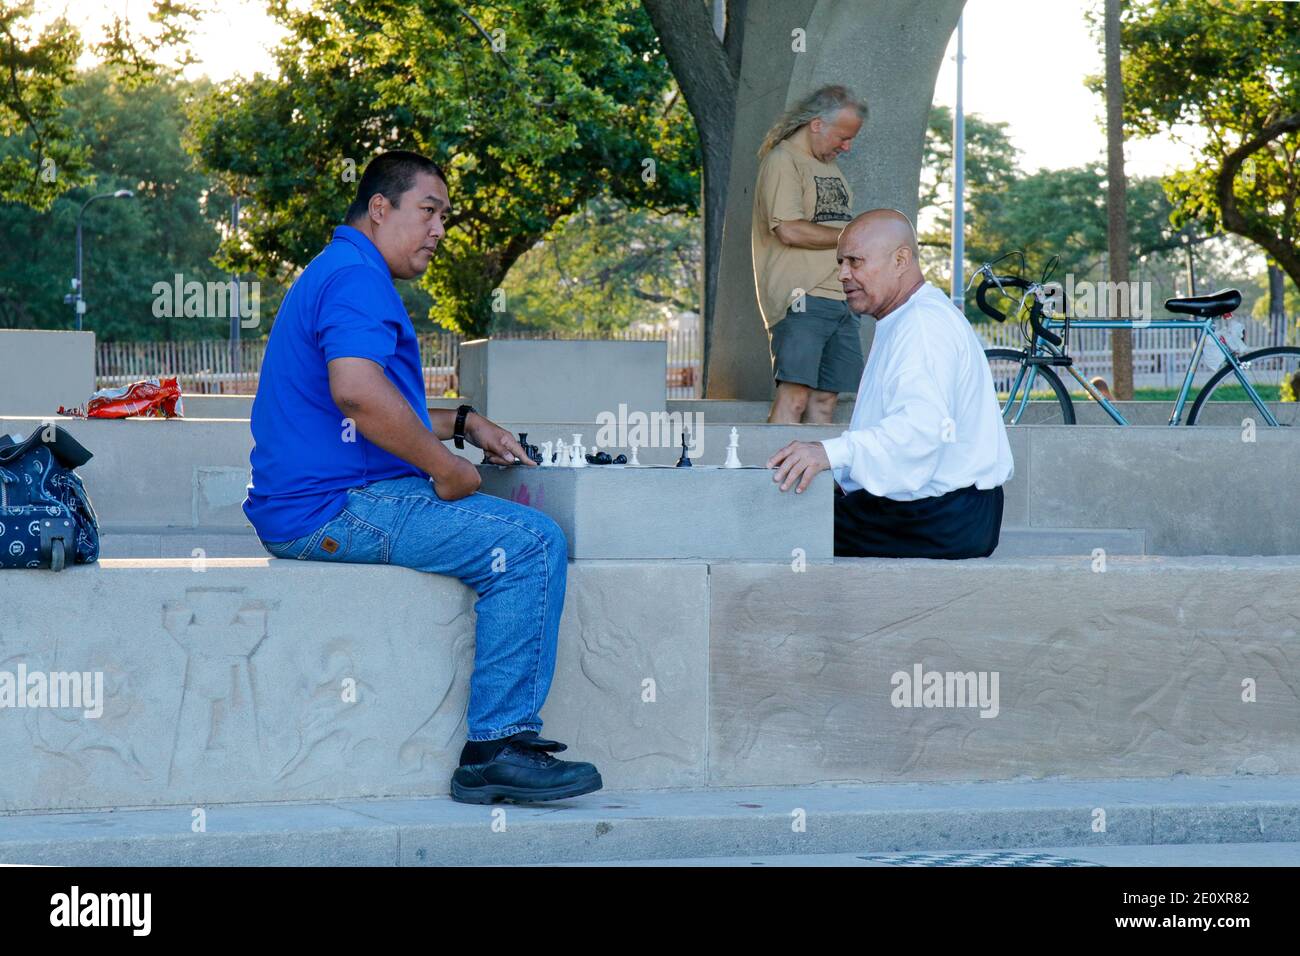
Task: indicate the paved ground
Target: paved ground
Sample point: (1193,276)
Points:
(1096,816)
(1164,855)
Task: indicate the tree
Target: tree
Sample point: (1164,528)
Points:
(1051,212)
(704,54)
(132,137)
(1121,340)
(1063,212)
(40,155)
(1277,300)
(991,169)
(534,108)
(1231,70)
(606,267)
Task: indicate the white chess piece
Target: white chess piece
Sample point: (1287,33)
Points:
(733,459)
(546,448)
(561,454)
(632,460)
(579,459)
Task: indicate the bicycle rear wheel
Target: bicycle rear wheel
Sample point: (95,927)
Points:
(1274,374)
(1049,402)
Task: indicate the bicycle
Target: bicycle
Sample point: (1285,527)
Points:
(1272,371)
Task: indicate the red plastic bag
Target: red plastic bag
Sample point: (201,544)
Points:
(151,399)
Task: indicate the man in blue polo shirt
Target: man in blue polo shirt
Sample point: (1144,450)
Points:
(349,465)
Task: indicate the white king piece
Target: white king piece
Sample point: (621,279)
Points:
(733,459)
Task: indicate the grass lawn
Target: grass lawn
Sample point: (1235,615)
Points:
(1224,393)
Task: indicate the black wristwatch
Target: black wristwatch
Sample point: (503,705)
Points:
(458,435)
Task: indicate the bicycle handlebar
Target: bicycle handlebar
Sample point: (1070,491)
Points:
(1015,282)
(990,281)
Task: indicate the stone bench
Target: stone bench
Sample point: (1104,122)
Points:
(1191,491)
(42,369)
(229,681)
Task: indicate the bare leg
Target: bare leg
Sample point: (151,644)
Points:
(789,404)
(821,407)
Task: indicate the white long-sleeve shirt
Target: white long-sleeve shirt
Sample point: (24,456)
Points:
(926,420)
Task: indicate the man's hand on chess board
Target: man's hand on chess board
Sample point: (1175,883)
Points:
(499,446)
(799,461)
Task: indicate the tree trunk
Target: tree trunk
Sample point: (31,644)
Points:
(1121,342)
(1279,247)
(707,72)
(1276,303)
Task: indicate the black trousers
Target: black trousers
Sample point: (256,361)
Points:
(961,524)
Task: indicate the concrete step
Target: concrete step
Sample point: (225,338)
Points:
(1163,854)
(1020,542)
(141,541)
(256,680)
(724,823)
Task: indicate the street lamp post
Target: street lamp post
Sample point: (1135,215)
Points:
(959,187)
(235,313)
(74,298)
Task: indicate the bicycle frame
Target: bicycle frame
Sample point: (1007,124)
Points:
(1205,328)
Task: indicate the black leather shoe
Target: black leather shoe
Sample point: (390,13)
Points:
(523,771)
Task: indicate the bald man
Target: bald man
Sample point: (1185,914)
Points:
(920,471)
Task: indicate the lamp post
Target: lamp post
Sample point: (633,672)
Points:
(959,187)
(74,298)
(234,294)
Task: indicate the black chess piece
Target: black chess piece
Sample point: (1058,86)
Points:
(621,460)
(600,458)
(533,452)
(684,461)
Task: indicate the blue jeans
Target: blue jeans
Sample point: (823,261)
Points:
(514,557)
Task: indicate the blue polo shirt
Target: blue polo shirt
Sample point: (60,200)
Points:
(305,457)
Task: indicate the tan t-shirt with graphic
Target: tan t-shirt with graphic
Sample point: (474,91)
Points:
(793,184)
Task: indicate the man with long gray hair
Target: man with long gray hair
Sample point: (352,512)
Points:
(801,201)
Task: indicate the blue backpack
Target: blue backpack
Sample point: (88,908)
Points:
(46,520)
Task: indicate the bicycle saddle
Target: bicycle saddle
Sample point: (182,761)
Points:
(1216,303)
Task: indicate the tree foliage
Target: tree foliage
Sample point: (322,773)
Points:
(132,137)
(40,154)
(1051,212)
(992,165)
(607,267)
(533,109)
(1229,69)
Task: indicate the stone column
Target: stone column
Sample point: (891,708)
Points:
(889,52)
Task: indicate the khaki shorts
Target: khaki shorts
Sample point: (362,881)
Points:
(819,347)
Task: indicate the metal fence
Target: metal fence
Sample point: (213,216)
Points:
(212,366)
(1160,356)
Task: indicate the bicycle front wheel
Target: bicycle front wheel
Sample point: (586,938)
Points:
(1049,402)
(1274,375)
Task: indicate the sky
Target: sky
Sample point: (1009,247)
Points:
(1025,64)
